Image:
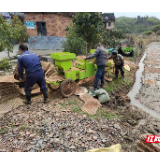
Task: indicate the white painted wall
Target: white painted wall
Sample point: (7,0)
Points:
(110,27)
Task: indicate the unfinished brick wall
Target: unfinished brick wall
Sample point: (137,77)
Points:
(55,23)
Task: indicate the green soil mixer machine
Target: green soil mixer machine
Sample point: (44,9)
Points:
(64,74)
(68,73)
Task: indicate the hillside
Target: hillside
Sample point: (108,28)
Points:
(136,25)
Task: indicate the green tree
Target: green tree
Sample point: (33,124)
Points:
(136,25)
(156,28)
(147,32)
(74,44)
(8,33)
(111,38)
(23,33)
(89,26)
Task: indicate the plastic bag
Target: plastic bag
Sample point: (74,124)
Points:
(102,95)
(104,98)
(100,92)
(114,148)
(92,93)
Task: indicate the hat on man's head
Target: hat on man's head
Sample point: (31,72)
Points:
(114,52)
(98,44)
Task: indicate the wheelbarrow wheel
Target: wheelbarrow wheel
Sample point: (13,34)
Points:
(68,87)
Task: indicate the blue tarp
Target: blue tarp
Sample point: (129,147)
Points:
(110,50)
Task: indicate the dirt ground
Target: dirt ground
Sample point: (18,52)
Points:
(61,126)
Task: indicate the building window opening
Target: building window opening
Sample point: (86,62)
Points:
(41,28)
(109,24)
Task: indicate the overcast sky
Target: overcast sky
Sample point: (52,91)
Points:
(135,14)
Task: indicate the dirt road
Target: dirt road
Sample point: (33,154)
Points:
(38,52)
(4,54)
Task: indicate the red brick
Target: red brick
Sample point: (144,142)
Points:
(149,82)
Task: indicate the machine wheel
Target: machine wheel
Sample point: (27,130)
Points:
(68,87)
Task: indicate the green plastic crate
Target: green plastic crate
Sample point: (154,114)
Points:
(80,63)
(63,60)
(90,69)
(62,56)
(92,51)
(82,74)
(72,74)
(64,65)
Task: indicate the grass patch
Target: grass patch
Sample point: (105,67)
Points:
(70,102)
(116,84)
(127,81)
(108,115)
(112,86)
(130,74)
(102,114)
(12,126)
(23,127)
(126,71)
(119,81)
(2,131)
(63,105)
(76,109)
(117,113)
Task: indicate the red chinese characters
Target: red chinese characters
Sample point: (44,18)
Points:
(153,139)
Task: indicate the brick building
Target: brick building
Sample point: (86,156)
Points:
(48,23)
(47,29)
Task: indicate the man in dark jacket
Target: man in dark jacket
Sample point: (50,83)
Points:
(34,72)
(101,60)
(119,63)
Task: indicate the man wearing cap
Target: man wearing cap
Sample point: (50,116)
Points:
(119,63)
(101,59)
(34,72)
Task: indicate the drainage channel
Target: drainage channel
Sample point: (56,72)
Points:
(135,90)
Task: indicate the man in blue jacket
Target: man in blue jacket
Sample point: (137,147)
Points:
(101,60)
(34,72)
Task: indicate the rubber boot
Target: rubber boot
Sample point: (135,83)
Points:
(101,86)
(45,95)
(123,76)
(116,74)
(28,98)
(116,77)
